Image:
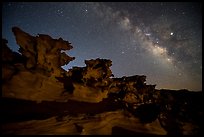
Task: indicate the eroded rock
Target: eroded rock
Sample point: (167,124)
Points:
(91,83)
(31,74)
(100,124)
(43,51)
(36,75)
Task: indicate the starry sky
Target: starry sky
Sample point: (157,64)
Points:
(162,40)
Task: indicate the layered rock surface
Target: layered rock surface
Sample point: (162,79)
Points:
(100,124)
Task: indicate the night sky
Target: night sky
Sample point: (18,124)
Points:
(160,40)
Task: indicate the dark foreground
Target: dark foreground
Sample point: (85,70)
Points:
(173,115)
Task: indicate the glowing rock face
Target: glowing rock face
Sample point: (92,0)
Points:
(42,51)
(31,75)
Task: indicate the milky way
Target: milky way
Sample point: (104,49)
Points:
(160,40)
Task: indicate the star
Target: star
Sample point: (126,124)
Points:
(168,59)
(147,34)
(142,33)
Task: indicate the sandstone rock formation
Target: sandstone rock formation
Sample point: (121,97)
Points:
(90,83)
(43,52)
(100,124)
(31,75)
(86,100)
